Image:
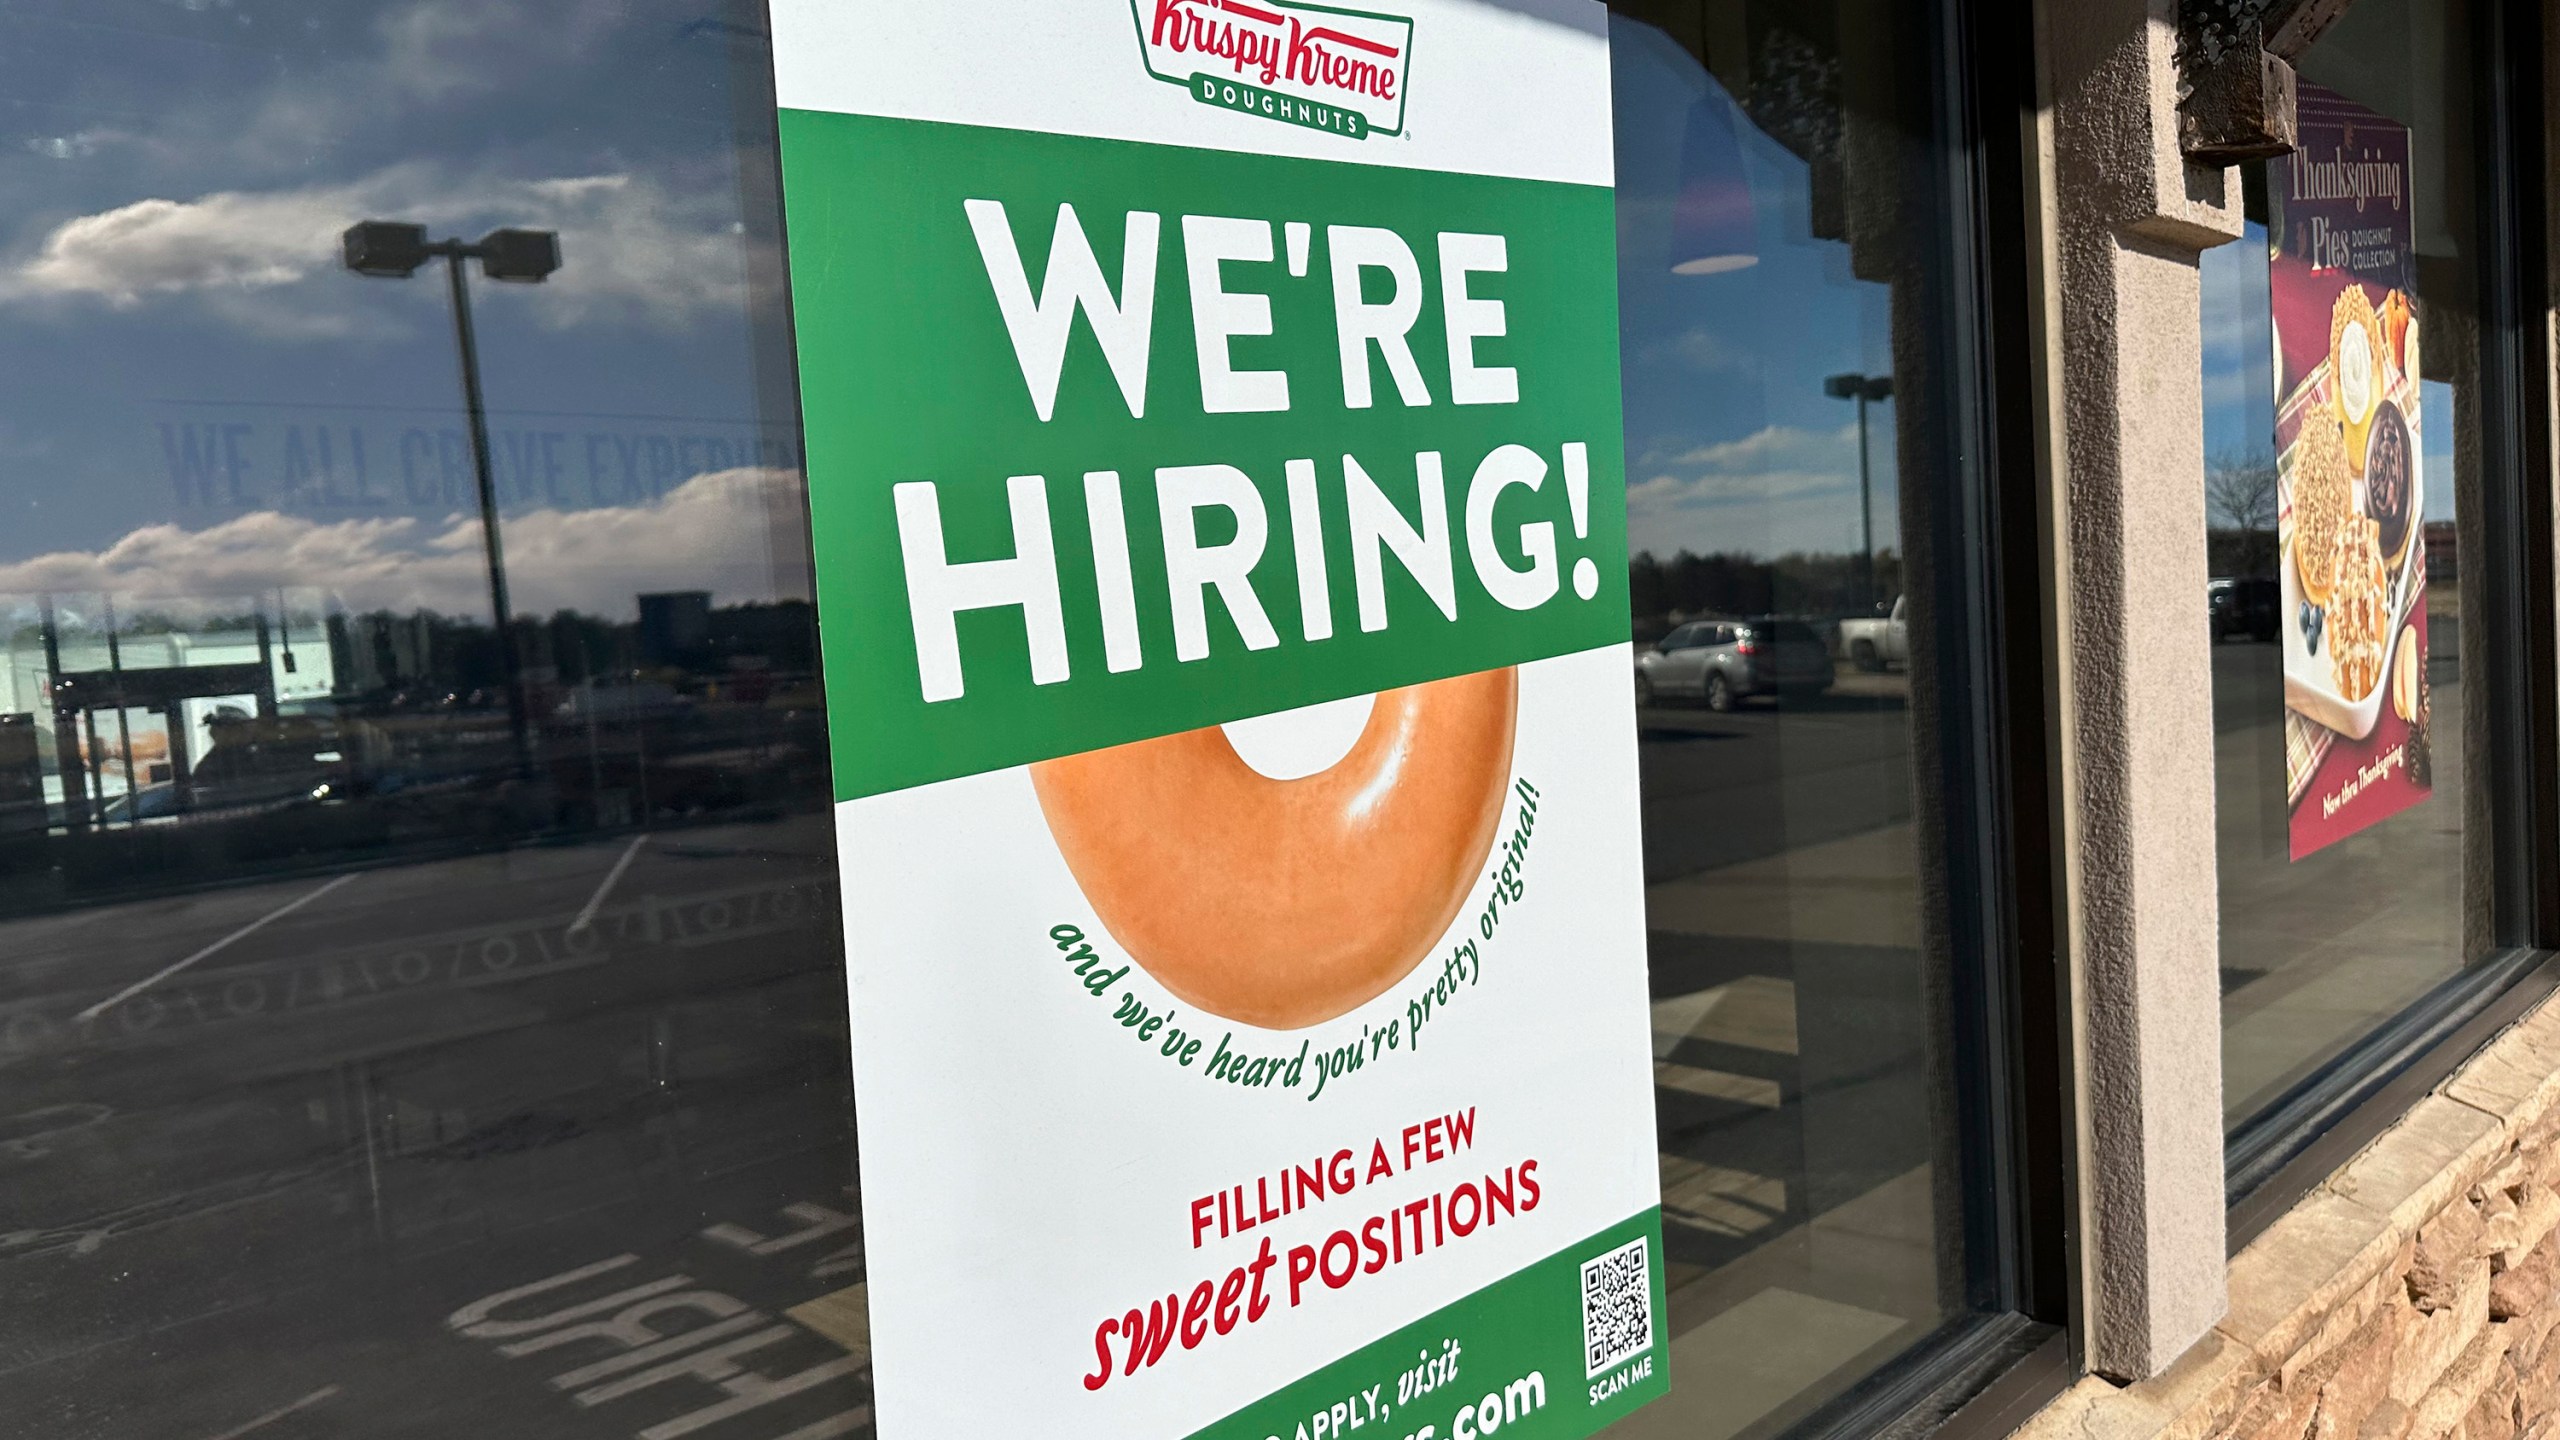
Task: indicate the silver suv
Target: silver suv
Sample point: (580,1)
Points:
(1722,662)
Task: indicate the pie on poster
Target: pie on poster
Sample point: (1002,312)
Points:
(2351,478)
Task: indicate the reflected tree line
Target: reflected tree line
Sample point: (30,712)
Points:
(1819,588)
(2242,518)
(2240,513)
(427,660)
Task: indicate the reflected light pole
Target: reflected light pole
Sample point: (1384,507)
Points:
(391,249)
(1864,389)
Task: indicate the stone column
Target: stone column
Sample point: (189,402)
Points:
(2122,220)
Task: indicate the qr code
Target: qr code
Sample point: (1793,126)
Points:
(1617,1307)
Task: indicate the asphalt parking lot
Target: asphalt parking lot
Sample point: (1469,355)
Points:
(357,1153)
(262,1185)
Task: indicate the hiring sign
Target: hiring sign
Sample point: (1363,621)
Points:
(1222,577)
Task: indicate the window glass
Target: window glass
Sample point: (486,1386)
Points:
(352,1015)
(1782,271)
(2335,921)
(406,938)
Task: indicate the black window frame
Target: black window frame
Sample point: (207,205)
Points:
(2018,1346)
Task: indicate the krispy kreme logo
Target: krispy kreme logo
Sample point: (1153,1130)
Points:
(1310,65)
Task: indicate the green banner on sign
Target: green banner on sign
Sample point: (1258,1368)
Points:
(1550,1352)
(1111,440)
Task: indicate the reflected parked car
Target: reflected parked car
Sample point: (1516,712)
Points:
(1881,640)
(2246,605)
(156,801)
(1723,662)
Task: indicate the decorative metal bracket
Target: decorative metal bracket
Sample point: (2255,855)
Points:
(2235,74)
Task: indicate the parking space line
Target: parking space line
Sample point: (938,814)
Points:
(834,1425)
(217,947)
(272,1416)
(612,877)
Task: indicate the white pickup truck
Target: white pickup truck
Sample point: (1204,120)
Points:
(1877,643)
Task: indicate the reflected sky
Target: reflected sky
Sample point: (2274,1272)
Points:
(1732,445)
(196,386)
(2239,371)
(194,380)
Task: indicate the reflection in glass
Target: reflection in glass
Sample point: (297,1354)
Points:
(411,1009)
(2319,953)
(1770,163)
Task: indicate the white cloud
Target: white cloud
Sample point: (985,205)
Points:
(721,532)
(2233,327)
(426,55)
(1778,489)
(1775,447)
(651,244)
(79,145)
(1676,492)
(632,250)
(439,47)
(1699,349)
(2235,321)
(2225,386)
(227,241)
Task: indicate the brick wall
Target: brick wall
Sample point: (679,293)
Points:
(2414,1296)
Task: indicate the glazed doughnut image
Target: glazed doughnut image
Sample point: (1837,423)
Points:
(1283,903)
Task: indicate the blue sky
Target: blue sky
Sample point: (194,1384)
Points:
(186,359)
(2239,371)
(193,380)
(1731,443)
(201,400)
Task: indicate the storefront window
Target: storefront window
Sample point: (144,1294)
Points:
(1788,401)
(350,1016)
(2343,420)
(421,968)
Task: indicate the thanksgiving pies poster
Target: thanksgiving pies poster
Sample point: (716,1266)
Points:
(1217,486)
(2350,483)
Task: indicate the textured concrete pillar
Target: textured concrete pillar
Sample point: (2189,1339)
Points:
(2123,221)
